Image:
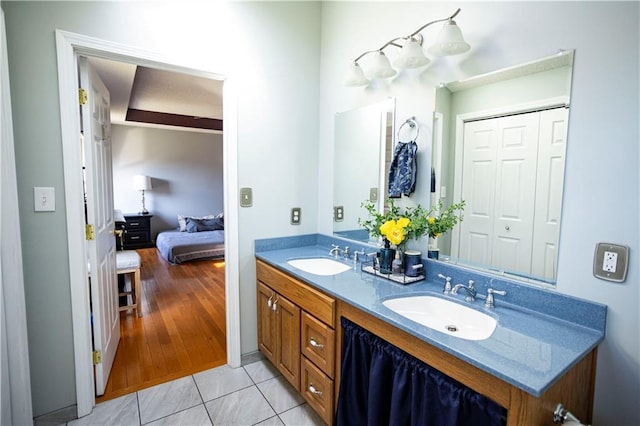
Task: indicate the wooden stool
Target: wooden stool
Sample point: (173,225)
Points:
(128,262)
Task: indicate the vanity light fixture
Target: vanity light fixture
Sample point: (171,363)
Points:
(448,42)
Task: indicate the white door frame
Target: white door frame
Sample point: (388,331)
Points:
(69,46)
(15,381)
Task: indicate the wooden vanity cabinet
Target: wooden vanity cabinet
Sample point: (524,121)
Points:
(296,332)
(279,333)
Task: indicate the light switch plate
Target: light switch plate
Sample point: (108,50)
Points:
(373,194)
(610,262)
(246,197)
(44,199)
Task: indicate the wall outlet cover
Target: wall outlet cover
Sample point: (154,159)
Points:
(610,262)
(296,215)
(338,213)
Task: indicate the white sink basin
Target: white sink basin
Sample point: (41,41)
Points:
(445,316)
(319,266)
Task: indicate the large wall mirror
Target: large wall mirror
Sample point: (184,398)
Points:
(499,144)
(363,146)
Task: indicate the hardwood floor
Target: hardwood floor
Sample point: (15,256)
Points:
(182,330)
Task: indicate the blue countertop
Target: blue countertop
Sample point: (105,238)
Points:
(540,334)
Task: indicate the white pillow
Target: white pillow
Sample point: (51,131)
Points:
(182,220)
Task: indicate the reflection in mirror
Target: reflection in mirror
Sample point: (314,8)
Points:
(499,144)
(362,151)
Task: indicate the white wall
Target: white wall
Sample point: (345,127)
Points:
(602,178)
(270,50)
(185,170)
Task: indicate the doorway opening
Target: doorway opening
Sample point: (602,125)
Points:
(69,47)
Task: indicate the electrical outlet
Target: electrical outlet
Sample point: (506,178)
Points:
(296,215)
(338,213)
(610,262)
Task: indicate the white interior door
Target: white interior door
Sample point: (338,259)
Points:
(548,205)
(478,185)
(515,191)
(499,187)
(96,127)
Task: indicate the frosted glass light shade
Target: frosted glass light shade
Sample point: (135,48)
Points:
(141,182)
(382,67)
(355,76)
(411,56)
(449,41)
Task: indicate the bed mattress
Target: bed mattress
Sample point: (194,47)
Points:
(179,247)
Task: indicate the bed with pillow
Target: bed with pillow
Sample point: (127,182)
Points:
(196,238)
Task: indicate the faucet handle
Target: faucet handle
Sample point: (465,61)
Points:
(489,302)
(447,284)
(471,284)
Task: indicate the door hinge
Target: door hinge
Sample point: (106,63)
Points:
(82,96)
(89,232)
(97,357)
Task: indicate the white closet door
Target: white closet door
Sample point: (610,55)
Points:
(498,185)
(515,191)
(478,183)
(548,206)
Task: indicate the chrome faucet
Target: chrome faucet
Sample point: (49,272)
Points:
(335,250)
(470,289)
(447,284)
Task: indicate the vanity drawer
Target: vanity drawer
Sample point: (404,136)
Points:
(317,389)
(318,340)
(308,298)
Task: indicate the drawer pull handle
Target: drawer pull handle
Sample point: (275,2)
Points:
(135,238)
(134,223)
(315,344)
(314,391)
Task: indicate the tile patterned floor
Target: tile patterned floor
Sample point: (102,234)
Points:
(254,394)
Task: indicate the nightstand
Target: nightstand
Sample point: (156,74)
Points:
(137,231)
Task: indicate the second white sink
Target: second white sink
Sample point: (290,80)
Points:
(319,266)
(444,315)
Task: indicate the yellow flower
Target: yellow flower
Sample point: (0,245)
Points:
(431,220)
(394,231)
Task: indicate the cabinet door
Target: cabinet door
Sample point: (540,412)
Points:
(266,322)
(288,340)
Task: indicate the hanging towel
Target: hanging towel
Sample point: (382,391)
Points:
(403,169)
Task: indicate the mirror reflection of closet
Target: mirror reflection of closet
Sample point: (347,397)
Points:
(363,146)
(499,144)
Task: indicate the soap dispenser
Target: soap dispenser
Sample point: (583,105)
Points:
(396,265)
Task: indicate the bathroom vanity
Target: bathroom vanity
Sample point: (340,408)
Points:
(532,362)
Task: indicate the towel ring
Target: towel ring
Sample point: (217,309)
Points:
(411,121)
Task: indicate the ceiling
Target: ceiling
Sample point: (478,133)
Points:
(142,96)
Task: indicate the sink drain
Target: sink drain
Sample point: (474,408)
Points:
(451,328)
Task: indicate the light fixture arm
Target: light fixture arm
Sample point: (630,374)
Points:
(415,33)
(433,22)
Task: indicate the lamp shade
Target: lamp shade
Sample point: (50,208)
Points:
(449,41)
(141,182)
(382,67)
(411,56)
(355,76)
